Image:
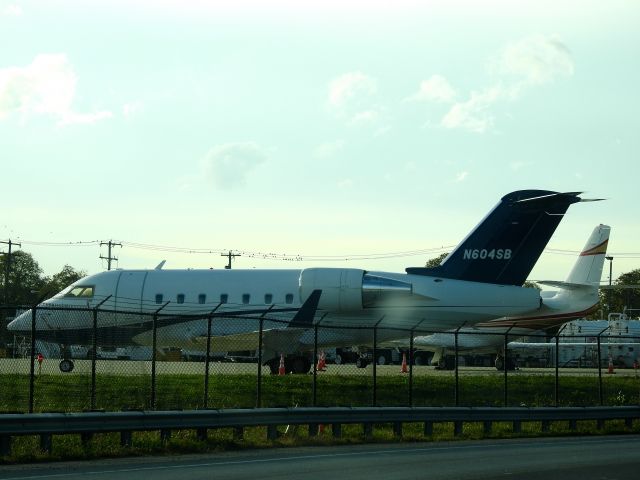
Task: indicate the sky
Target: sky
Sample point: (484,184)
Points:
(356,134)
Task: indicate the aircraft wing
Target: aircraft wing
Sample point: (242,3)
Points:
(277,339)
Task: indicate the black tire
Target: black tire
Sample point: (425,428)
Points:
(499,363)
(338,360)
(383,359)
(66,365)
(299,365)
(361,362)
(274,366)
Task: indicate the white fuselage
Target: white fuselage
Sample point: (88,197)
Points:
(347,300)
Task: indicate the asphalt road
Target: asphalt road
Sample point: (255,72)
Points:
(574,458)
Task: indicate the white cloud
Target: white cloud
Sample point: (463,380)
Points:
(435,89)
(367,116)
(345,183)
(229,165)
(45,87)
(12,11)
(460,177)
(328,149)
(131,108)
(347,87)
(520,66)
(351,97)
(474,114)
(536,60)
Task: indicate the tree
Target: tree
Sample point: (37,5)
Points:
(617,299)
(25,282)
(62,279)
(435,262)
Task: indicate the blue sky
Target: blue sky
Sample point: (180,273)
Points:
(312,128)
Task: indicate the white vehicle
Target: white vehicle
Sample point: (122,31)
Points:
(479,281)
(576,297)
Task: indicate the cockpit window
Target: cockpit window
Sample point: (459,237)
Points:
(80,292)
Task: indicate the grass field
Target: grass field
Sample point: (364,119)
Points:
(73,394)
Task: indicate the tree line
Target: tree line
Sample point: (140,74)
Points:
(22,281)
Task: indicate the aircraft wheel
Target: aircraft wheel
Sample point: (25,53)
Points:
(274,365)
(382,360)
(300,365)
(361,362)
(66,366)
(499,363)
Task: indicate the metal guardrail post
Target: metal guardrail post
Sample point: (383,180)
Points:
(94,350)
(205,402)
(154,356)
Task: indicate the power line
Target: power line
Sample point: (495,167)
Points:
(108,258)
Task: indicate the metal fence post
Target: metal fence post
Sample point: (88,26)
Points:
(205,403)
(375,362)
(411,369)
(556,395)
(315,365)
(600,393)
(154,356)
(33,357)
(259,381)
(506,367)
(457,386)
(94,349)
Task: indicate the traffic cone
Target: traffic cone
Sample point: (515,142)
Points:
(610,369)
(322,363)
(281,369)
(404,364)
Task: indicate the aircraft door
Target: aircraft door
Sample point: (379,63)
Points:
(129,291)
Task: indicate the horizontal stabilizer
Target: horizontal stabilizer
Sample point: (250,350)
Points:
(565,285)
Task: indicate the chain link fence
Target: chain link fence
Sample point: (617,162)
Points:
(85,359)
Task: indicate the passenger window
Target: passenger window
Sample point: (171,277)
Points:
(158,298)
(288,298)
(224,297)
(246,298)
(202,298)
(268,298)
(180,298)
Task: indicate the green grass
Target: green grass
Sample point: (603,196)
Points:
(73,393)
(113,393)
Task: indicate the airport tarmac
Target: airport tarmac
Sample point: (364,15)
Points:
(130,367)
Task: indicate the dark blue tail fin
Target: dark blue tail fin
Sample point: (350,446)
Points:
(505,246)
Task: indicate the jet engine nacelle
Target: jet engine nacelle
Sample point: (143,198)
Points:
(349,289)
(341,287)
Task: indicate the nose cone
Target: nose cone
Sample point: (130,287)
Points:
(21,325)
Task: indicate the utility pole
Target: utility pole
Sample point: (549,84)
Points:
(7,269)
(108,258)
(230,256)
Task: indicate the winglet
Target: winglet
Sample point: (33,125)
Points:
(304,316)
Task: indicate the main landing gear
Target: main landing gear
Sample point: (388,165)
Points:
(297,364)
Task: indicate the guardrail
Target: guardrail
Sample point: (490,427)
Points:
(89,423)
